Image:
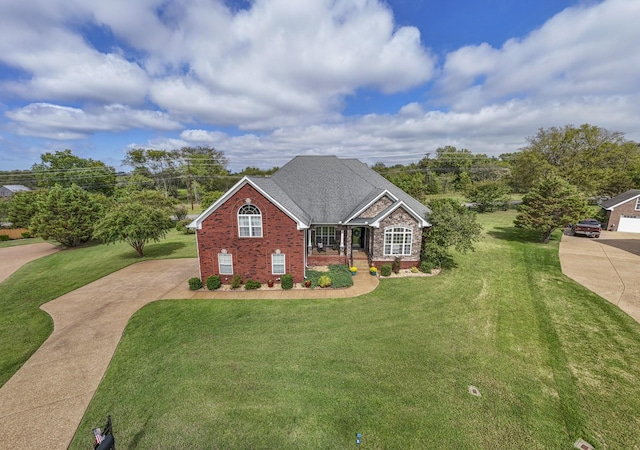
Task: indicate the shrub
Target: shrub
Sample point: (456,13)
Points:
(286,281)
(236,282)
(340,276)
(181,227)
(26,235)
(195,283)
(385,270)
(213,282)
(414,270)
(324,281)
(181,212)
(427,266)
(4,237)
(252,284)
(396,265)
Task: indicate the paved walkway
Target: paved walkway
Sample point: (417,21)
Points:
(43,403)
(608,266)
(12,258)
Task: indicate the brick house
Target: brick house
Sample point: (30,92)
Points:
(623,212)
(315,210)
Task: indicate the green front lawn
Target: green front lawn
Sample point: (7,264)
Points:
(553,362)
(24,326)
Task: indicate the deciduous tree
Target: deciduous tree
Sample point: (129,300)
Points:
(595,160)
(488,195)
(452,226)
(551,204)
(137,219)
(64,168)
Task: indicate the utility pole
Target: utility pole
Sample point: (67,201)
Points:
(189,184)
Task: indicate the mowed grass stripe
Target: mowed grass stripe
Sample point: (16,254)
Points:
(551,359)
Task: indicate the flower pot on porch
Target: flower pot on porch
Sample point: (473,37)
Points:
(307,283)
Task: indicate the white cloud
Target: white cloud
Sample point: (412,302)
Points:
(581,51)
(277,63)
(407,136)
(62,122)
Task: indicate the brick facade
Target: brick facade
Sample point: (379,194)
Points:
(625,209)
(251,255)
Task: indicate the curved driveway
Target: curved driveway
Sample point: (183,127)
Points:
(12,258)
(43,403)
(608,266)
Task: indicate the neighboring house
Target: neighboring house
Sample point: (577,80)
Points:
(8,190)
(623,212)
(315,210)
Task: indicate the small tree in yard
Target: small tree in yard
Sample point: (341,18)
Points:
(23,206)
(135,223)
(488,195)
(66,215)
(550,204)
(452,225)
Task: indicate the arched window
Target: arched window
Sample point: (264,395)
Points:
(249,221)
(397,241)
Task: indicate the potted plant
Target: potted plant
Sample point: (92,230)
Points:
(270,283)
(307,283)
(353,270)
(373,270)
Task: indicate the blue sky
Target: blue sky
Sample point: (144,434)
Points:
(264,81)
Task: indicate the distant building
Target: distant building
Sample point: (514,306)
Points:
(8,190)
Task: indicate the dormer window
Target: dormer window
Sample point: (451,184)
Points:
(249,221)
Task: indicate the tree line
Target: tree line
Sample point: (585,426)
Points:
(558,166)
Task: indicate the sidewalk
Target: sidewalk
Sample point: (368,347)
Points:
(43,403)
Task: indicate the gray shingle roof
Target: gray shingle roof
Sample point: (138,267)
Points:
(330,189)
(16,187)
(323,190)
(619,199)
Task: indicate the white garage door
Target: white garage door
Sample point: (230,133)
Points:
(630,224)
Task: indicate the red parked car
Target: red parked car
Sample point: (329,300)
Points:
(587,227)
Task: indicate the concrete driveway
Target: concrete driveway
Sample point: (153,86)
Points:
(12,258)
(43,403)
(608,266)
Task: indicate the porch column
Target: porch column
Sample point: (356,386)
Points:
(342,242)
(309,245)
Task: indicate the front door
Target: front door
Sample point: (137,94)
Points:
(357,238)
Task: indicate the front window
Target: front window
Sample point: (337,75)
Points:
(277,264)
(397,241)
(638,204)
(225,264)
(249,221)
(326,235)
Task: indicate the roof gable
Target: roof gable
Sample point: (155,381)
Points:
(618,200)
(269,191)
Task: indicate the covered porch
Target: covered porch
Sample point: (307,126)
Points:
(341,244)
